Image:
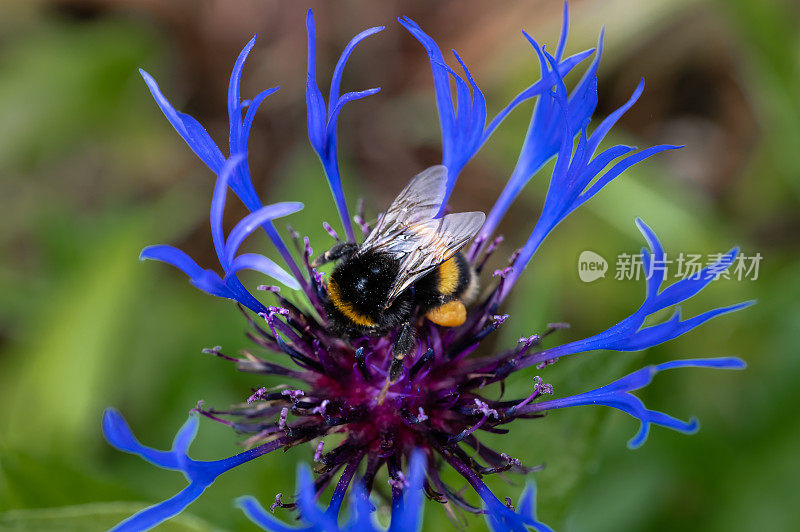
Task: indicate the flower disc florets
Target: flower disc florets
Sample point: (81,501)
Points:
(433,407)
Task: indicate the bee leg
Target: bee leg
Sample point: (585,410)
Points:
(402,346)
(338,251)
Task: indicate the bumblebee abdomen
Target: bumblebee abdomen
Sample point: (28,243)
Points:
(450,280)
(450,277)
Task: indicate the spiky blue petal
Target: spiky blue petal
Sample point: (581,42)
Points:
(501,518)
(628,335)
(322,119)
(206,280)
(576,175)
(617,395)
(230,287)
(410,514)
(406,516)
(207,150)
(187,127)
(546,129)
(200,474)
(463,121)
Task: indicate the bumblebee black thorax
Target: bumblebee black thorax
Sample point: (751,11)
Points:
(358,291)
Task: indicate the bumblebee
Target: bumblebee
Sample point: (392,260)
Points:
(408,265)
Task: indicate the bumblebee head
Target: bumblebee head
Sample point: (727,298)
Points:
(339,251)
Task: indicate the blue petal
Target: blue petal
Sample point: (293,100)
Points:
(153,516)
(605,126)
(184,437)
(441,82)
(315,103)
(187,127)
(545,132)
(119,435)
(206,280)
(410,518)
(218,200)
(674,327)
(346,98)
(547,129)
(478,111)
(616,395)
(257,514)
(463,122)
(202,144)
(317,519)
(322,123)
(501,518)
(538,88)
(526,507)
(336,80)
(200,474)
(317,125)
(244,136)
(241,182)
(360,511)
(615,171)
(573,179)
(307,503)
(562,39)
(253,221)
(234,98)
(628,334)
(260,263)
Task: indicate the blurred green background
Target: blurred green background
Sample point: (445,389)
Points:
(91,172)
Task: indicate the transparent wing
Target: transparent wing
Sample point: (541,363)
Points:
(418,202)
(408,230)
(431,243)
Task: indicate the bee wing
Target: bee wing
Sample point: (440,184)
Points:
(408,230)
(430,243)
(418,202)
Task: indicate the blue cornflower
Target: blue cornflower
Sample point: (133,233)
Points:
(436,405)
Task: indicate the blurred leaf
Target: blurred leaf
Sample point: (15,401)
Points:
(60,372)
(769,38)
(35,480)
(66,82)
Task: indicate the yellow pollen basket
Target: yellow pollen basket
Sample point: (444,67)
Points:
(450,314)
